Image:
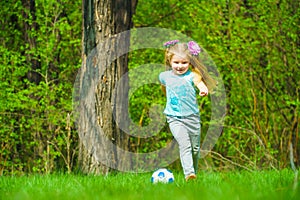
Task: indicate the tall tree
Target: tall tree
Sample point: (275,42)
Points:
(103,20)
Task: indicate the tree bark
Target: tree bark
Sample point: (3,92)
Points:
(30,6)
(103,20)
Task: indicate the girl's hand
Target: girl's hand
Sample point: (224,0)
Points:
(203,89)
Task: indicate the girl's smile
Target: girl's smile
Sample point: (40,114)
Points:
(179,65)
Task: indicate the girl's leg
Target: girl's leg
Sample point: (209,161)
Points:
(195,140)
(182,137)
(194,128)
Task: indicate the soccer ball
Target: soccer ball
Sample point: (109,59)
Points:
(162,176)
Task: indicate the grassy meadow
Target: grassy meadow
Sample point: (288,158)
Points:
(209,185)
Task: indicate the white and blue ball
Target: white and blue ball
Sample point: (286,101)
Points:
(162,176)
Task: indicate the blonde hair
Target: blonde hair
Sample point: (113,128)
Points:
(201,72)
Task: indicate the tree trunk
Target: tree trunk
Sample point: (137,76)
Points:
(99,101)
(32,75)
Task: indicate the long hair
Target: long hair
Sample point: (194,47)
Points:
(201,72)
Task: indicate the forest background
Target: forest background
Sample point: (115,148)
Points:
(254,44)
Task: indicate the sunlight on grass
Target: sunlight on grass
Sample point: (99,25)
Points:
(209,185)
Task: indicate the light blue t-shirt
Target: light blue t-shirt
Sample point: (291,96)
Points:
(181,94)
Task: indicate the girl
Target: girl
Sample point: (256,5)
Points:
(184,72)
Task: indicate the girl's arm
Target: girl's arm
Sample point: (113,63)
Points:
(203,89)
(163,88)
(198,81)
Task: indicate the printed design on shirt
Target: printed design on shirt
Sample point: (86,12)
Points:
(178,91)
(174,100)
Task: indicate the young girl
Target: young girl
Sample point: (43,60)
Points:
(184,73)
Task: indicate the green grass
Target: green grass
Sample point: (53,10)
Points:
(209,185)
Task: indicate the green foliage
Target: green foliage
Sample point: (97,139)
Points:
(40,50)
(254,45)
(145,95)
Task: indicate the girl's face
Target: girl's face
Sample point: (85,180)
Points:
(179,64)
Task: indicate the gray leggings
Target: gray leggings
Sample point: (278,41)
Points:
(186,131)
